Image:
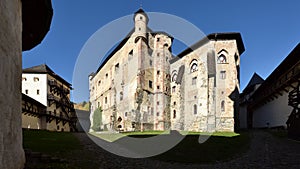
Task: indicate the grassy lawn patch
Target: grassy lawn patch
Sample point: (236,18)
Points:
(52,143)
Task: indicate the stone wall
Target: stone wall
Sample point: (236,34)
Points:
(11,151)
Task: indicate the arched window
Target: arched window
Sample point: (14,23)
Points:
(174,77)
(174,114)
(193,66)
(222,59)
(195,109)
(223,105)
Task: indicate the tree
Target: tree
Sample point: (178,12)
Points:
(97,119)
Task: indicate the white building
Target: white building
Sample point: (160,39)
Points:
(276,102)
(42,84)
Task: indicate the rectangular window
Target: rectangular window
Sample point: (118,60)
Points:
(105,100)
(174,89)
(158,72)
(121,96)
(117,66)
(223,74)
(150,84)
(158,87)
(157,114)
(106,75)
(130,55)
(194,80)
(26,91)
(150,62)
(38,92)
(157,103)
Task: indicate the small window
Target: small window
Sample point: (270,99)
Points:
(193,66)
(98,104)
(99,82)
(158,72)
(194,80)
(158,87)
(158,39)
(195,109)
(157,103)
(174,114)
(223,106)
(38,92)
(150,84)
(139,29)
(174,89)
(150,62)
(26,91)
(157,54)
(57,127)
(121,96)
(126,114)
(24,79)
(157,114)
(130,55)
(105,100)
(117,67)
(174,77)
(174,103)
(106,75)
(141,18)
(222,74)
(36,79)
(222,59)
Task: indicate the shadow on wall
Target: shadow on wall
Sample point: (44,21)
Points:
(83,124)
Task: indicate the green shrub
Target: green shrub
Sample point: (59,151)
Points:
(97,119)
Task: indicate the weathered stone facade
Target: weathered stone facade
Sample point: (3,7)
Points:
(141,86)
(11,151)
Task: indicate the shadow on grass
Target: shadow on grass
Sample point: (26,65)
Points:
(219,147)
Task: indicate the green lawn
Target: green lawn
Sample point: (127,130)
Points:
(219,147)
(52,143)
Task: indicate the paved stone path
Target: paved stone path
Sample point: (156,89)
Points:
(266,151)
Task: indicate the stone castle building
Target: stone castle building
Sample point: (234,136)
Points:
(142,86)
(49,89)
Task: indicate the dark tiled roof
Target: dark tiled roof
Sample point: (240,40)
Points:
(213,36)
(44,69)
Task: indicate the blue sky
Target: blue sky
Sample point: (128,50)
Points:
(270,30)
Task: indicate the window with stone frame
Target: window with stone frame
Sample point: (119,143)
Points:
(174,77)
(150,84)
(194,80)
(193,66)
(222,59)
(121,96)
(195,109)
(222,105)
(223,74)
(174,89)
(174,114)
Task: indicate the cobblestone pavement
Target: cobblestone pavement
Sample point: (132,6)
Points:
(266,151)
